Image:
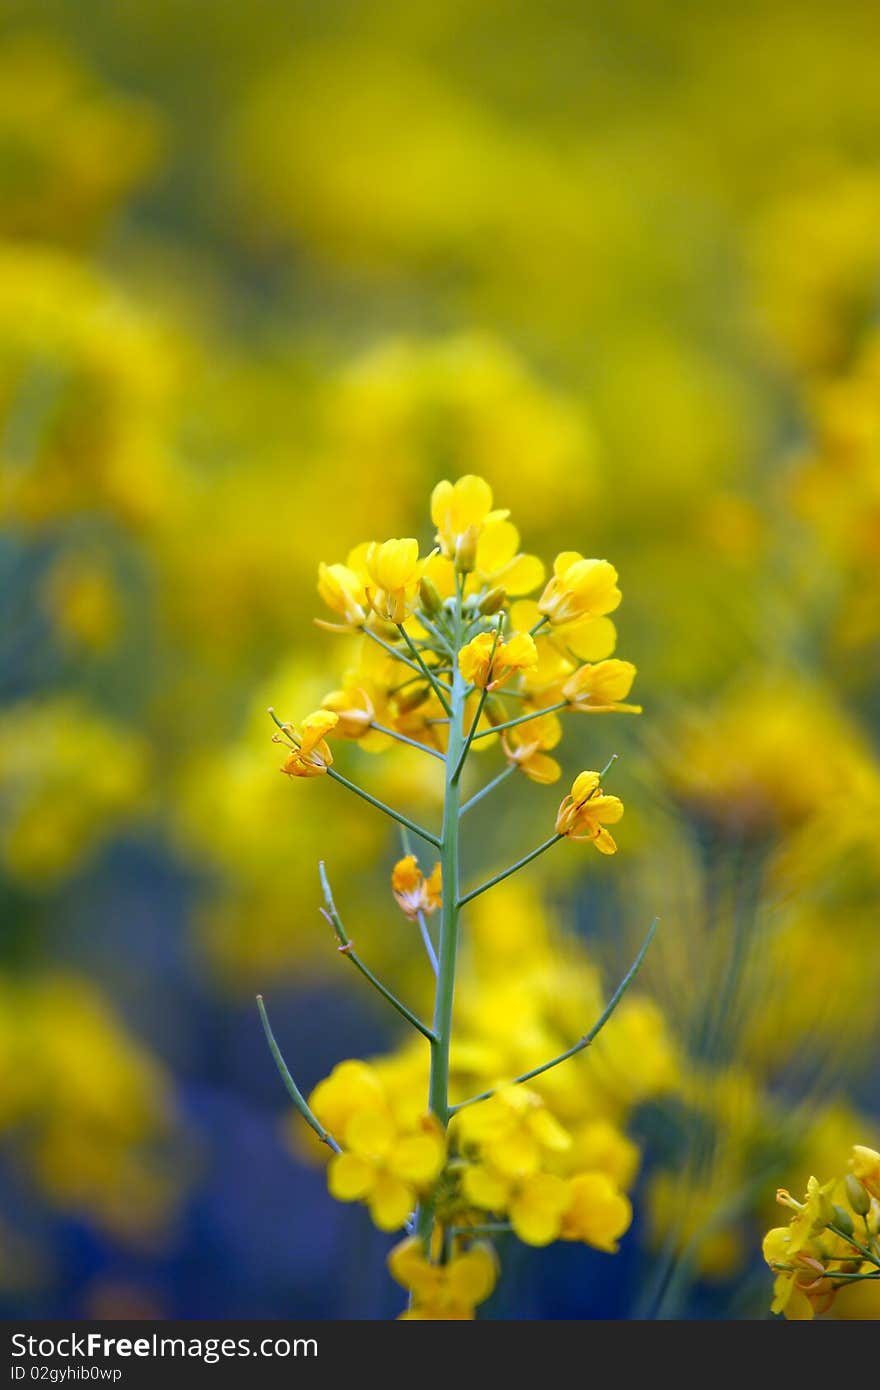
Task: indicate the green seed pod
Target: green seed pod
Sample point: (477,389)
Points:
(431,600)
(493,602)
(857,1196)
(842,1220)
(410,698)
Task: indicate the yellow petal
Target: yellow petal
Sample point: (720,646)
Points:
(542,769)
(522,575)
(370,1134)
(536,1210)
(350,1178)
(497,546)
(391,1200)
(419,1158)
(591,639)
(485,1188)
(472,1276)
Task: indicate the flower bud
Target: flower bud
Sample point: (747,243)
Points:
(466,551)
(857,1195)
(431,600)
(842,1220)
(411,697)
(492,602)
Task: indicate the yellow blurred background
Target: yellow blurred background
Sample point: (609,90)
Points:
(267,273)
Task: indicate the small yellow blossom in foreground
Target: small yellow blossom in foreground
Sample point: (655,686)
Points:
(525,746)
(585,812)
(597,1211)
(579,589)
(513,1130)
(415,893)
(487,661)
(448,1292)
(312,756)
(388,1160)
(601,687)
(394,570)
(459,511)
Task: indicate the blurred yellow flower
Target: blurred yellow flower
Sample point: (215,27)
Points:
(449,1291)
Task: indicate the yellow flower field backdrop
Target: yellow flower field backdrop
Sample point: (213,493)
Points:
(267,276)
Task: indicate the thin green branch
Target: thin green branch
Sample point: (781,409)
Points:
(402,738)
(346,948)
(522,719)
(428,943)
(481,702)
(489,787)
(851,1240)
(588,1038)
(389,810)
(293,1090)
(505,873)
(438,686)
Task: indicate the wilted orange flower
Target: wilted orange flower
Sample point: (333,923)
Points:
(311,757)
(415,893)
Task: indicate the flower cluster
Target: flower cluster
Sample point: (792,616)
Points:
(451,652)
(831,1240)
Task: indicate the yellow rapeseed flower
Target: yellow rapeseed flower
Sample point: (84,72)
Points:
(448,1292)
(394,570)
(601,687)
(865,1164)
(597,1212)
(343,590)
(535,1203)
(526,745)
(388,1159)
(460,510)
(579,589)
(415,893)
(513,1131)
(487,661)
(585,812)
(311,757)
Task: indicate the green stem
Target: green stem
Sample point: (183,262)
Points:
(438,686)
(505,873)
(389,810)
(489,787)
(346,949)
(293,1090)
(588,1038)
(438,1090)
(522,719)
(480,703)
